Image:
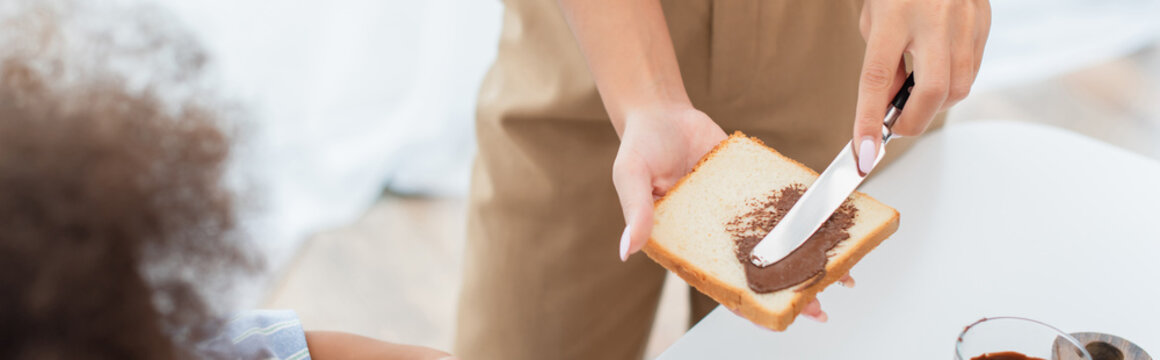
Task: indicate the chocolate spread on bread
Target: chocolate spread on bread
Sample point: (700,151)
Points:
(807,262)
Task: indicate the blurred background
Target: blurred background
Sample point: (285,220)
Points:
(361,137)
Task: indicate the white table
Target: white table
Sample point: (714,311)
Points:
(998,218)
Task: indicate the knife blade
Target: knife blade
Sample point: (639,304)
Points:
(826,194)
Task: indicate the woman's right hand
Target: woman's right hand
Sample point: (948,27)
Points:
(658,146)
(630,54)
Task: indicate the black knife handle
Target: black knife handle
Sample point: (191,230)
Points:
(895,109)
(903,92)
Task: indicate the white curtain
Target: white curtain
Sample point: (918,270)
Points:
(1035,39)
(346,96)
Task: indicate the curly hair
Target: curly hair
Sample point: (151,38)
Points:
(115,222)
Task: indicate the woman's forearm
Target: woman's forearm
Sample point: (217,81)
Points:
(629,52)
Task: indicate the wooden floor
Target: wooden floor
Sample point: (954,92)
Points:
(394,273)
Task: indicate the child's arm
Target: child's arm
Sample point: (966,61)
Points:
(327,345)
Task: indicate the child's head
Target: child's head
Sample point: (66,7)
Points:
(113,217)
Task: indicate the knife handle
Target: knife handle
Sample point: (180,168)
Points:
(895,110)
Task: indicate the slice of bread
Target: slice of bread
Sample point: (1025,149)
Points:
(689,236)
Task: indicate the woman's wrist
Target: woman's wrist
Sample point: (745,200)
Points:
(656,109)
(630,55)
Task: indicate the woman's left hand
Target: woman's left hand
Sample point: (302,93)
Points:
(813,309)
(945,39)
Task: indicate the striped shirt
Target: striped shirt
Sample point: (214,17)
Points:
(267,335)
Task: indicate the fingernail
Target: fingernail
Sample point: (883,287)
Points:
(625,241)
(867,153)
(821,317)
(735,312)
(850,282)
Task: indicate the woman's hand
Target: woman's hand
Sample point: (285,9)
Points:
(630,54)
(658,146)
(945,39)
(813,310)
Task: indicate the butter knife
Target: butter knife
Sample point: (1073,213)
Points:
(827,193)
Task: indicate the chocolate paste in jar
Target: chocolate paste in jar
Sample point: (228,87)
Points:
(1005,355)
